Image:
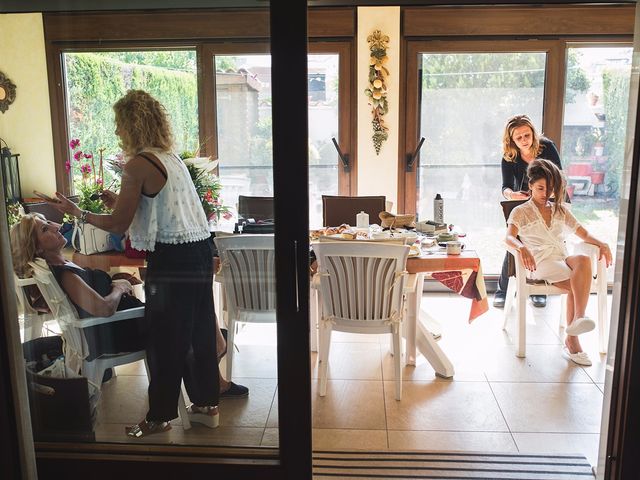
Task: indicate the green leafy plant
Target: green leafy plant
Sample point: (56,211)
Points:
(14,212)
(208,186)
(87,182)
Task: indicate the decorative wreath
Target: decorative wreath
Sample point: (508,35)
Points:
(7,92)
(377,89)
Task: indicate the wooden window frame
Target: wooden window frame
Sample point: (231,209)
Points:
(549,28)
(208,33)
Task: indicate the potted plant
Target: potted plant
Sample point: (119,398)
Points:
(207,185)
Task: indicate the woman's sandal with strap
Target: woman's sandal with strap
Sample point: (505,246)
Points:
(207,416)
(147,427)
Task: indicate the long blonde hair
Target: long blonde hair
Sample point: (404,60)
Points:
(509,148)
(24,243)
(142,123)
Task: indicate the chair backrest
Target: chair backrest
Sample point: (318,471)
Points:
(337,210)
(248,272)
(258,208)
(388,241)
(75,345)
(361,282)
(508,205)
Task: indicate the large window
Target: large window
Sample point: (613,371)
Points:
(593,134)
(465,99)
(243,113)
(95,80)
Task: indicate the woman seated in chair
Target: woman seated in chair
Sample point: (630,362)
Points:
(537,229)
(93,292)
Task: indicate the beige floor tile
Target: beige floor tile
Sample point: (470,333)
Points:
(124,400)
(272,420)
(255,361)
(598,370)
(343,439)
(451,441)
(251,411)
(550,407)
(353,404)
(543,363)
(135,368)
(197,435)
(560,443)
(339,337)
(600,387)
(466,369)
(457,406)
(270,438)
(352,361)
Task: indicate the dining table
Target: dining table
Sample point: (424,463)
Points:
(460,273)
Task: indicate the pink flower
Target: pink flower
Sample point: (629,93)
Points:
(227,215)
(88,155)
(78,155)
(74,143)
(99,181)
(85,169)
(67,166)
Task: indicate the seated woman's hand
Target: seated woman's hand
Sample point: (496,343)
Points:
(123,285)
(605,252)
(527,258)
(126,276)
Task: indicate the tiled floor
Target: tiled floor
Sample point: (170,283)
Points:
(495,403)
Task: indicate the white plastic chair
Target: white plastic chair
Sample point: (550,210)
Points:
(520,287)
(33,321)
(75,347)
(248,277)
(361,289)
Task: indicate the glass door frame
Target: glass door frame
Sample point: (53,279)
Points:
(410,108)
(292,459)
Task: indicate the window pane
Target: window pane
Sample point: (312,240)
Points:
(593,135)
(95,80)
(323,125)
(243,102)
(465,101)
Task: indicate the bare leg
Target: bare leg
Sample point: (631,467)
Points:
(221,347)
(578,287)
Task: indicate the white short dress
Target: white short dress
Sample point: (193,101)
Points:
(546,243)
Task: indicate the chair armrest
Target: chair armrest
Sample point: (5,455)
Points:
(136,312)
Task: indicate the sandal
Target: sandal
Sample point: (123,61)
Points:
(147,427)
(207,416)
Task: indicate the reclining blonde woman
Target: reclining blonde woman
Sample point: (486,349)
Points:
(537,230)
(93,292)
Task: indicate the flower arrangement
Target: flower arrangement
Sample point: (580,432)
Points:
(377,89)
(91,182)
(207,185)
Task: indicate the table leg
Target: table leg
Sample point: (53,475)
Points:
(418,336)
(314,306)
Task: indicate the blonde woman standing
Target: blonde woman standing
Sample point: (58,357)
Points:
(159,206)
(521,145)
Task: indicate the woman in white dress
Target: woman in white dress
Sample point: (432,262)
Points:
(537,230)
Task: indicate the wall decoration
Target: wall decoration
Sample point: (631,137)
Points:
(377,89)
(7,92)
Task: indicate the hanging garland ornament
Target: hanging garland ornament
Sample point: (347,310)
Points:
(377,89)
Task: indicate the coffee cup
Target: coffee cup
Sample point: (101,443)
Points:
(454,248)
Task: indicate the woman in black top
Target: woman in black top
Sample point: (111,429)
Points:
(521,145)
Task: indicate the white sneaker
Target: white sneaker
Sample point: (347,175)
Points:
(581,358)
(580,325)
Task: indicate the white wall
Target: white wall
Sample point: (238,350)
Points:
(26,125)
(378,174)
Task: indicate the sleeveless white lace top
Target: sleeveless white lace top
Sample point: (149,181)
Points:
(174,215)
